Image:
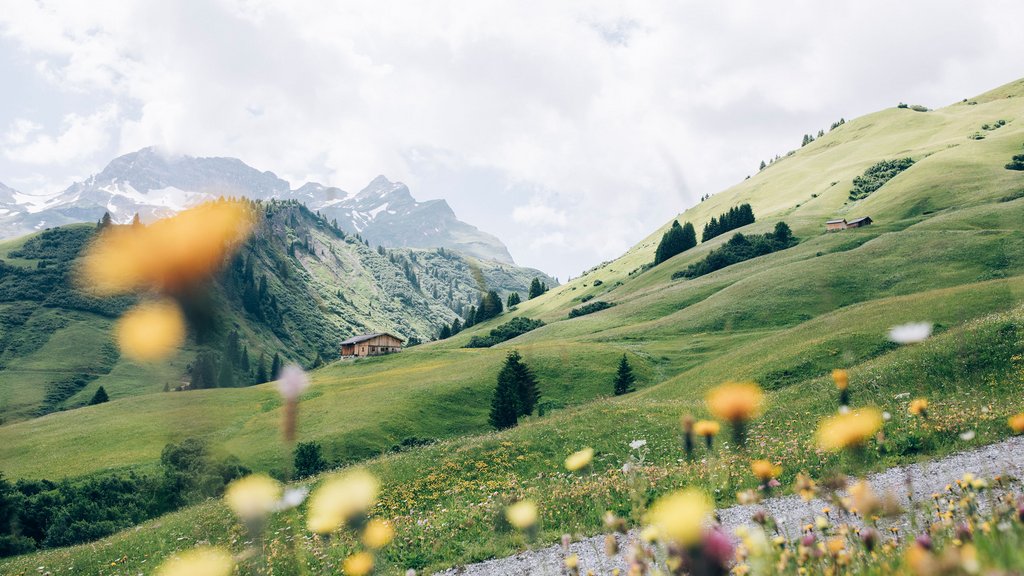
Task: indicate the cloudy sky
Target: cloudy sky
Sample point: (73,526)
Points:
(569,129)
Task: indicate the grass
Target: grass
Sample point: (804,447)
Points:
(944,249)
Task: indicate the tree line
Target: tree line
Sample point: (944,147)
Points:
(735,217)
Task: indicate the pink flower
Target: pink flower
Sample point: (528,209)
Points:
(292,382)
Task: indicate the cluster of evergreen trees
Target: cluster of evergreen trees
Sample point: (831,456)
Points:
(678,239)
(537,288)
(739,248)
(488,307)
(736,216)
(233,367)
(516,393)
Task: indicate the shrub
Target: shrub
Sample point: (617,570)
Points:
(1017,163)
(309,459)
(740,248)
(590,308)
(876,176)
(507,331)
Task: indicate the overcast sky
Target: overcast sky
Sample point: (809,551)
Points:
(568,129)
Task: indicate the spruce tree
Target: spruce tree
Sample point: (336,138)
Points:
(456,327)
(105,221)
(513,299)
(524,383)
(503,404)
(446,332)
(275,366)
(225,377)
(535,289)
(689,239)
(99,397)
(624,378)
(261,370)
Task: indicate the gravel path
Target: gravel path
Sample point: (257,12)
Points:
(791,512)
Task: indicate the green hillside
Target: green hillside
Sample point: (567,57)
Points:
(946,246)
(296,289)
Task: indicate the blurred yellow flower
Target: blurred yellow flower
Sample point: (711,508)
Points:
(198,562)
(1016,423)
(168,255)
(339,499)
(151,331)
(841,378)
(764,470)
(572,561)
(579,460)
(682,516)
(522,515)
(919,407)
(736,401)
(864,499)
(358,564)
(806,487)
(253,497)
(849,429)
(706,428)
(378,534)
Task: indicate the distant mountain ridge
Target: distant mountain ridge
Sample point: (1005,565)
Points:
(155,185)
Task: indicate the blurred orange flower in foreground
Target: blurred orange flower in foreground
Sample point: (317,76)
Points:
(151,331)
(736,401)
(848,430)
(169,254)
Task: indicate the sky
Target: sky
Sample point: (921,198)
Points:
(569,129)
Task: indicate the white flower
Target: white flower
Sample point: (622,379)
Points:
(844,409)
(292,382)
(886,416)
(910,333)
(635,444)
(967,436)
(292,498)
(627,468)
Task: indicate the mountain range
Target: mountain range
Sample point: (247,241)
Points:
(154,184)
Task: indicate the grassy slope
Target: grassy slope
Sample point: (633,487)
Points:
(944,248)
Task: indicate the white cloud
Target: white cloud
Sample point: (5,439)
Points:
(616,114)
(78,138)
(534,214)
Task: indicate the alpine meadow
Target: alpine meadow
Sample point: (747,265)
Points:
(819,370)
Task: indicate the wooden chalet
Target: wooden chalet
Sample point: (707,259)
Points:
(841,223)
(375,344)
(835,225)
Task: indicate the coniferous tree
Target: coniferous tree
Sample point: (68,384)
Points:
(624,378)
(535,289)
(309,459)
(99,397)
(446,332)
(490,306)
(456,327)
(136,222)
(244,362)
(782,233)
(261,370)
(275,366)
(503,404)
(513,299)
(759,169)
(318,361)
(470,317)
(106,220)
(678,239)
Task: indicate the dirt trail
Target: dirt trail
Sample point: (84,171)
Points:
(1006,457)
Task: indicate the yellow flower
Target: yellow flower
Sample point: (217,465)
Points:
(378,534)
(572,561)
(1016,423)
(522,515)
(841,378)
(168,255)
(836,545)
(579,460)
(806,487)
(919,407)
(341,498)
(358,564)
(706,428)
(253,497)
(865,499)
(151,331)
(764,470)
(736,401)
(682,516)
(848,430)
(198,562)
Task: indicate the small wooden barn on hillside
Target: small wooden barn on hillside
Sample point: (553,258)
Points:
(376,344)
(841,223)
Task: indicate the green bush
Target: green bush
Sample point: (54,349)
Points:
(876,176)
(507,331)
(589,308)
(740,248)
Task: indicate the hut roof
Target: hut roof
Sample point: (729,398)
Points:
(365,337)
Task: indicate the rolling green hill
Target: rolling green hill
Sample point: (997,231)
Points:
(297,288)
(947,247)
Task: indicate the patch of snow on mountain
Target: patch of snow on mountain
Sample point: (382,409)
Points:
(373,213)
